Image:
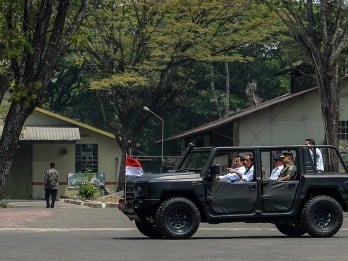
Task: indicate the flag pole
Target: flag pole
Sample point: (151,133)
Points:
(125,180)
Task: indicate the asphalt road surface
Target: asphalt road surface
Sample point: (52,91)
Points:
(68,232)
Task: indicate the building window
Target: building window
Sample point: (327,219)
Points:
(343,130)
(86,158)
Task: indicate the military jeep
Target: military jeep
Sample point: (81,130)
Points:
(172,205)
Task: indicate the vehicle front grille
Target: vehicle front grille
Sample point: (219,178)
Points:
(129,191)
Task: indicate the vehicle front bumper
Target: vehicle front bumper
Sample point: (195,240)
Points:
(136,209)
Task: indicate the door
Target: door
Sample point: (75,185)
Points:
(278,196)
(230,198)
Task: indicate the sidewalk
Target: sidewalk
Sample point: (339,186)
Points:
(33,214)
(103,202)
(93,203)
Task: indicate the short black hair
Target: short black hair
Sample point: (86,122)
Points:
(310,141)
(52,164)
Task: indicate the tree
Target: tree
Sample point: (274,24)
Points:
(34,35)
(142,53)
(321,29)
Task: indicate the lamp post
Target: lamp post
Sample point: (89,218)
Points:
(162,121)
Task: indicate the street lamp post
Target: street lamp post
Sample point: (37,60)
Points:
(162,121)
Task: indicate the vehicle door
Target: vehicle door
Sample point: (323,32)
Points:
(278,196)
(230,196)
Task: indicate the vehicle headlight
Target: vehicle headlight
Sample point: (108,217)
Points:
(140,189)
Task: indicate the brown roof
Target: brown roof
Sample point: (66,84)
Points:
(238,115)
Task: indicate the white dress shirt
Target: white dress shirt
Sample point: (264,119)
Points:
(248,175)
(233,177)
(317,159)
(275,172)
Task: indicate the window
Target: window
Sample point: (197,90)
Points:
(86,158)
(343,130)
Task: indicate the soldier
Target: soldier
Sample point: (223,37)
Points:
(289,170)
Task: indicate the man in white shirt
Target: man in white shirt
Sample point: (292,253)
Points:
(240,174)
(249,166)
(278,166)
(316,155)
(236,172)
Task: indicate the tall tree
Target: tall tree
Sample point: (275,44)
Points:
(321,29)
(143,52)
(34,35)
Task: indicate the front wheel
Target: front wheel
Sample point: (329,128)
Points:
(322,216)
(291,229)
(178,218)
(148,229)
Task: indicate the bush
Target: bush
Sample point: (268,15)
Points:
(87,191)
(3,203)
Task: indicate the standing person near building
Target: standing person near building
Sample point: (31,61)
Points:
(51,185)
(316,155)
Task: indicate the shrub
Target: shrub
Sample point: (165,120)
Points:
(87,191)
(3,201)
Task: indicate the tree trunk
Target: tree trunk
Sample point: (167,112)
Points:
(212,86)
(329,82)
(227,83)
(10,138)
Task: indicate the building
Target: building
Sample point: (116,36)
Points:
(288,119)
(72,145)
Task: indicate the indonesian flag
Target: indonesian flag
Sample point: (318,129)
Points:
(133,167)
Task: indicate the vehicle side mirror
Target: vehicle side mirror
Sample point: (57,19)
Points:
(214,170)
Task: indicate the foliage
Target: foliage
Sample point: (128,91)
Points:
(156,54)
(33,36)
(146,49)
(87,191)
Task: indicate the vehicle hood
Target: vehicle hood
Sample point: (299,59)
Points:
(160,177)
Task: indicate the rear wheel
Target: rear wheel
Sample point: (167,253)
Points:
(322,216)
(148,229)
(291,229)
(178,218)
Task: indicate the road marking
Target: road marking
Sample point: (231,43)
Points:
(26,229)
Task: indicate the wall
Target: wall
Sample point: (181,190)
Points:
(18,184)
(44,152)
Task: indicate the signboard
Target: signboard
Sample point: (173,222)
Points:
(76,179)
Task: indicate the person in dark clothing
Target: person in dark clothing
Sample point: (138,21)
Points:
(51,185)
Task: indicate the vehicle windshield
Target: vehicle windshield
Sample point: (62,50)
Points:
(195,160)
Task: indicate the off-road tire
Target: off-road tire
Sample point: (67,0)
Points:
(322,216)
(291,229)
(178,218)
(148,229)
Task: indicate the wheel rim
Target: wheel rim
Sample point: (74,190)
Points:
(323,218)
(179,219)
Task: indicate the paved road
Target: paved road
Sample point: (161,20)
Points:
(28,232)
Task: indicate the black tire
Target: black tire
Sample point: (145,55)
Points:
(322,216)
(291,229)
(148,229)
(178,218)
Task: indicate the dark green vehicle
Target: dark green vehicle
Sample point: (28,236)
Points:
(173,204)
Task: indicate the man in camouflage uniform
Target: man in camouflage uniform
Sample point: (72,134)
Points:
(289,170)
(51,185)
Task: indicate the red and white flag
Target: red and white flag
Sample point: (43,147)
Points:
(133,167)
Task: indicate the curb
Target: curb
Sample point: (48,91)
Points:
(92,204)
